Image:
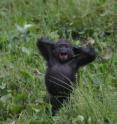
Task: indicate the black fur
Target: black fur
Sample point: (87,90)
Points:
(63,61)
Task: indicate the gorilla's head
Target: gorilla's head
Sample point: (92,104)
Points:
(63,50)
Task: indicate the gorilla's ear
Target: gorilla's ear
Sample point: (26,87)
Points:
(76,50)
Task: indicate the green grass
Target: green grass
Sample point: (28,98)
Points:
(22,69)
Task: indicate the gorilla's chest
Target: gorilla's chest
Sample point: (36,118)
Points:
(59,78)
(61,69)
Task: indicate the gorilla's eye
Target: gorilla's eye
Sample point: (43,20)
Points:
(66,46)
(63,54)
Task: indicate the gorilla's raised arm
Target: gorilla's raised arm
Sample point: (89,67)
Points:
(84,55)
(45,47)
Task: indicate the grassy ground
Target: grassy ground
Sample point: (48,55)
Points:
(22,69)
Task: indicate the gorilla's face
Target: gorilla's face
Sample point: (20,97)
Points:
(63,51)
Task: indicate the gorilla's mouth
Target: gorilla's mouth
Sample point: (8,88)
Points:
(63,56)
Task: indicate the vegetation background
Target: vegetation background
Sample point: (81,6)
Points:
(22,68)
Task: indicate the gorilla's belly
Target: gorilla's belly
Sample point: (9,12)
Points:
(59,79)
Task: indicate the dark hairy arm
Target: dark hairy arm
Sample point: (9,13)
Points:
(45,47)
(84,55)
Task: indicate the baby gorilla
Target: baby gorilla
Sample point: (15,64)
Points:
(63,61)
